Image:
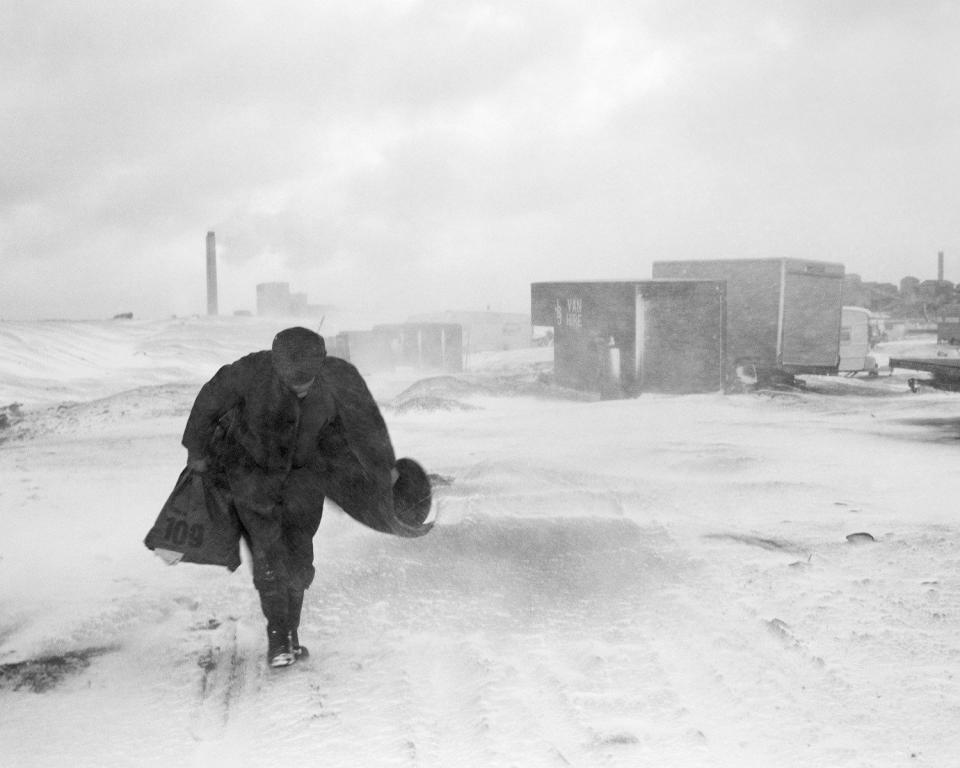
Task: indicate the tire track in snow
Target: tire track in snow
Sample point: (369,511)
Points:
(229,668)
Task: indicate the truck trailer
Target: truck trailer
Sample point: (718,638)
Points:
(783,315)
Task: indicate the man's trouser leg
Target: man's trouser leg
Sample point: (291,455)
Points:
(302,511)
(261,518)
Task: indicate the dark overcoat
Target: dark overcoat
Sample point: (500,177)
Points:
(251,425)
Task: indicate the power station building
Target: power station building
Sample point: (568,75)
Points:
(276,300)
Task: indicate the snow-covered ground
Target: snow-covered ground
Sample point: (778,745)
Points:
(662,581)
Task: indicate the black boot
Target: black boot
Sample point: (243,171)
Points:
(279,653)
(294,607)
(278,648)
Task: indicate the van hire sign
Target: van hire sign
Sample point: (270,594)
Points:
(569,312)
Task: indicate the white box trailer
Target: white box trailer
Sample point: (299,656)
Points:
(783,315)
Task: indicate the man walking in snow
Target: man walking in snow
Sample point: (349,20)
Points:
(279,430)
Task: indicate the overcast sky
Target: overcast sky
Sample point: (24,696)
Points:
(443,155)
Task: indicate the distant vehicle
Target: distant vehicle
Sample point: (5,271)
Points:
(856,342)
(948,325)
(945,366)
(945,370)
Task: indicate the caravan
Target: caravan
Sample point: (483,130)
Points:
(856,342)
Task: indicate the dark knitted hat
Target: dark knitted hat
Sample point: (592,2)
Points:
(298,354)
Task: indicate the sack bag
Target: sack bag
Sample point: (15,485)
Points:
(197,522)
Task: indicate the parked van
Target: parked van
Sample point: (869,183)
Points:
(948,325)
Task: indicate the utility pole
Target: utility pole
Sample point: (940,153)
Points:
(211,273)
(940,267)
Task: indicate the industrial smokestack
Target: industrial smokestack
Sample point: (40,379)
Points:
(211,273)
(940,266)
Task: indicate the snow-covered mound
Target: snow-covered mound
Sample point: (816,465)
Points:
(57,360)
(54,361)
